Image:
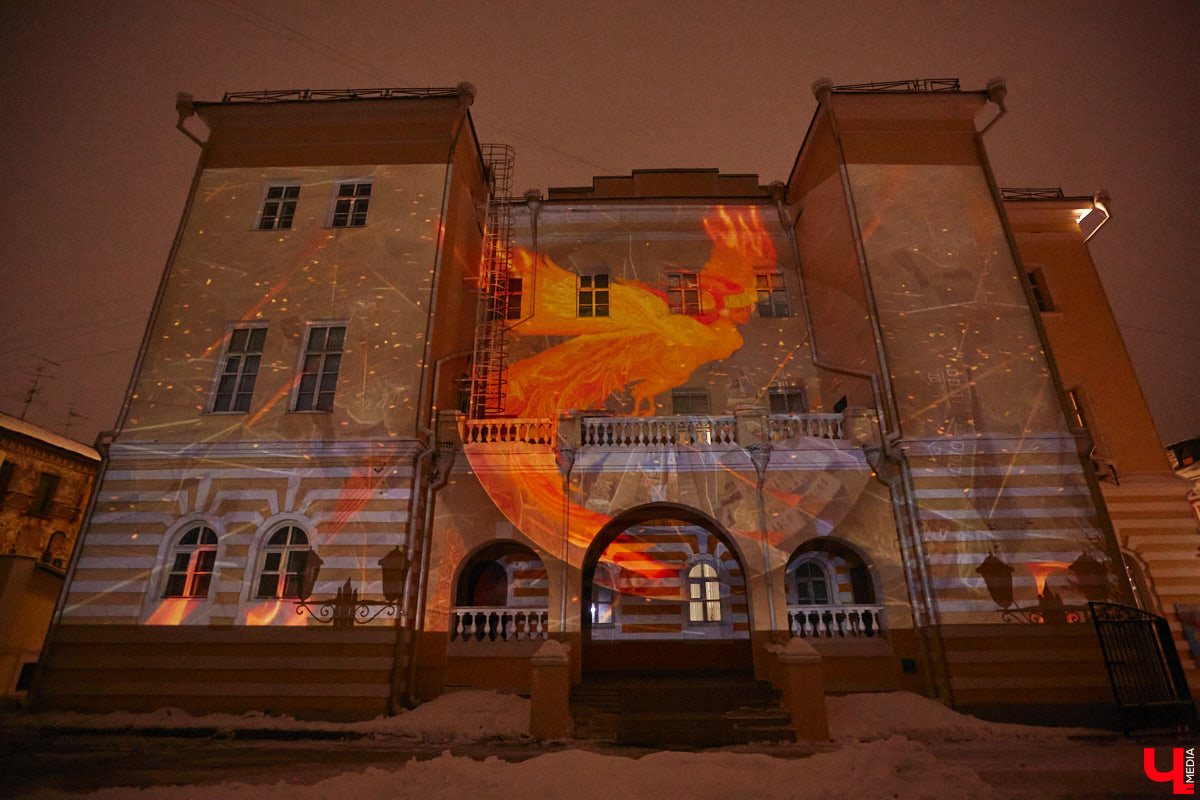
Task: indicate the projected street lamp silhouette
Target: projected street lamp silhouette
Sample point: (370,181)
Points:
(345,609)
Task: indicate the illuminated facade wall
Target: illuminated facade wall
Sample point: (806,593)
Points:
(1146,502)
(273,421)
(725,407)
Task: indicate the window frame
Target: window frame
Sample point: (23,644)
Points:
(787,393)
(588,294)
(282,569)
(1039,289)
(321,373)
(774,292)
(826,575)
(242,374)
(690,394)
(703,600)
(284,185)
(676,285)
(204,549)
(354,217)
(41,502)
(514,293)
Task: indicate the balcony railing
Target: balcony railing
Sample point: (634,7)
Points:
(637,432)
(828,622)
(658,431)
(498,624)
(792,426)
(527,431)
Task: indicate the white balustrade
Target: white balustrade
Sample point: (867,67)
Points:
(658,431)
(826,622)
(791,426)
(498,624)
(528,431)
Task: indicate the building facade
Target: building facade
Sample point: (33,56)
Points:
(45,483)
(392,427)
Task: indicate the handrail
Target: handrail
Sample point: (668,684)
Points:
(490,431)
(305,95)
(915,85)
(659,431)
(836,621)
(499,623)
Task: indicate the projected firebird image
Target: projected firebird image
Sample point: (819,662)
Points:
(656,336)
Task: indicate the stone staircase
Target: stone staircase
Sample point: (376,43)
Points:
(678,710)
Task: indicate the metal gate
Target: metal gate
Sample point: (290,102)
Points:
(1143,667)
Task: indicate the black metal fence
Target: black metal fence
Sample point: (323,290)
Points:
(1143,666)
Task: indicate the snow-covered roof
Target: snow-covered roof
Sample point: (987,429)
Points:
(49,437)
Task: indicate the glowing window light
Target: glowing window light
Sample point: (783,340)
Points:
(192,567)
(284,560)
(704,593)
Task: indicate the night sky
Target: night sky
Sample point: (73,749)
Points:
(1101,96)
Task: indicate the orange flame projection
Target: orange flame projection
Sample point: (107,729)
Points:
(269,612)
(641,349)
(1042,570)
(174,610)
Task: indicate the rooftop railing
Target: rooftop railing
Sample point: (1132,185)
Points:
(304,95)
(915,85)
(1048,193)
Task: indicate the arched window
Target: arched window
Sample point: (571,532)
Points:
(812,587)
(283,562)
(704,593)
(192,564)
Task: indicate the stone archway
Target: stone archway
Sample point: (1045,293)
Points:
(664,589)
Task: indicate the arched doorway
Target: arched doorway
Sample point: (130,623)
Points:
(500,595)
(664,589)
(830,592)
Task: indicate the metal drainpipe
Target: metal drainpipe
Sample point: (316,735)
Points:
(996,92)
(183,104)
(887,425)
(435,486)
(415,508)
(890,441)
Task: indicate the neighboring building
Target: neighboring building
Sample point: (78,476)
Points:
(673,419)
(45,482)
(1184,458)
(1147,503)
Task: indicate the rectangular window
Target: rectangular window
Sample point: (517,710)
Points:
(788,401)
(683,292)
(593,295)
(350,205)
(239,369)
(319,371)
(279,206)
(687,403)
(512,299)
(1041,294)
(43,496)
(772,295)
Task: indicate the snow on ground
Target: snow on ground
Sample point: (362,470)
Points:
(478,715)
(885,741)
(895,768)
(460,716)
(867,717)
